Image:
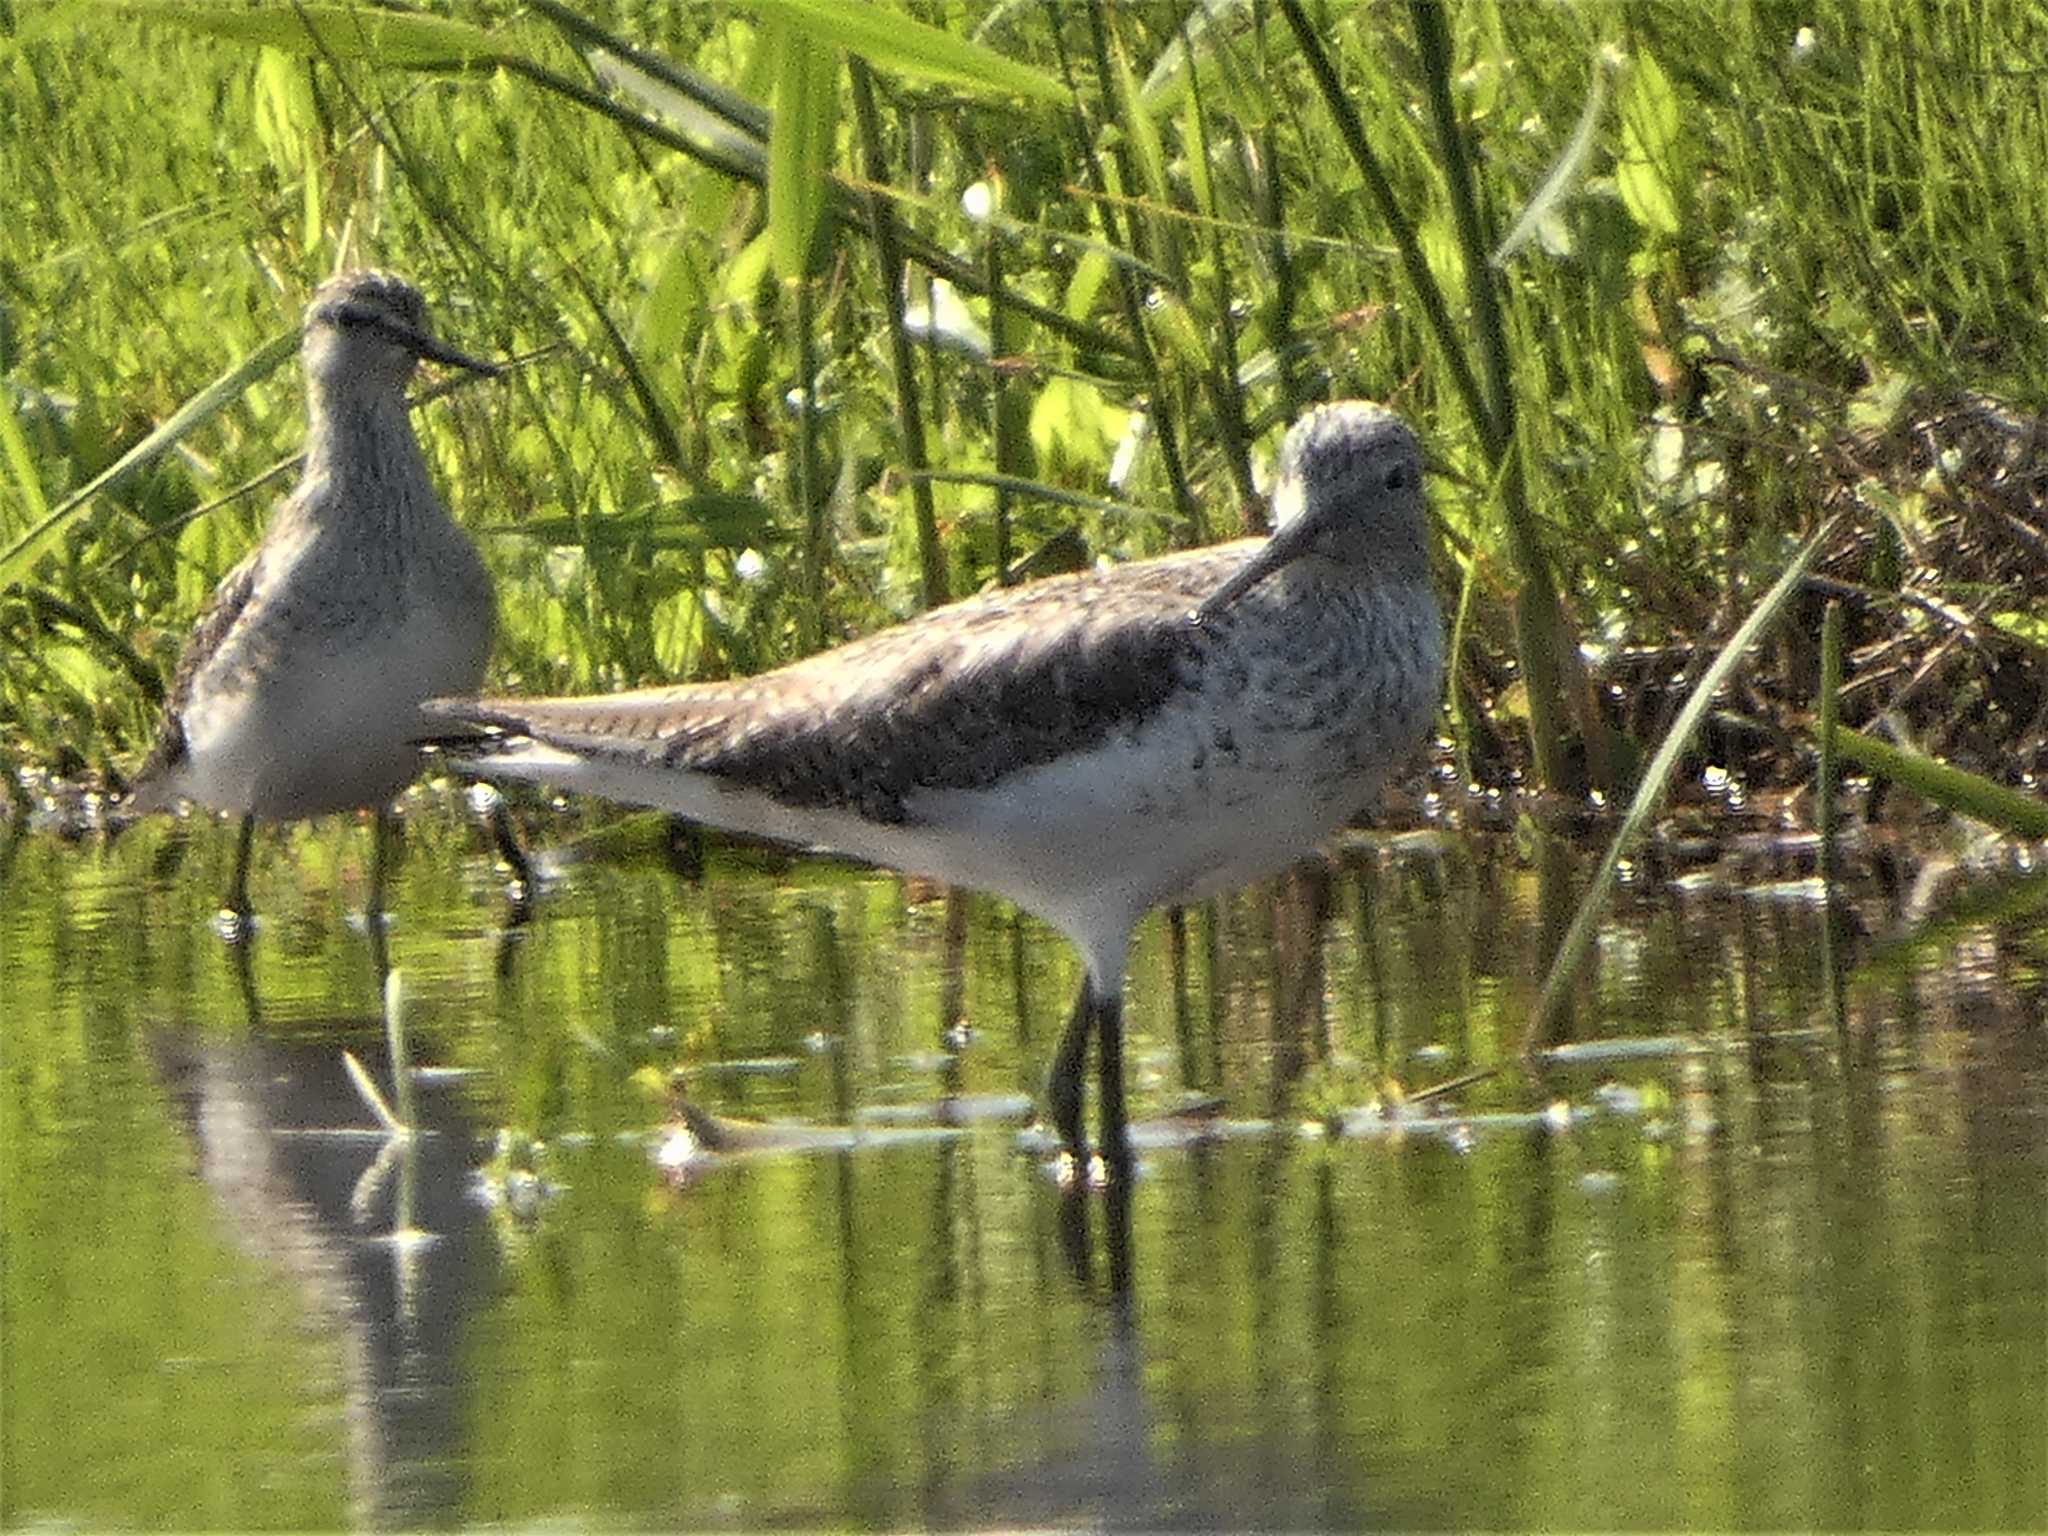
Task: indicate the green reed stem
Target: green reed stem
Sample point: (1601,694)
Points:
(1226,395)
(1542,636)
(1127,283)
(1377,185)
(1824,801)
(810,504)
(1007,404)
(1830,716)
(931,559)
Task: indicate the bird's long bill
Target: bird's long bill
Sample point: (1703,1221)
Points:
(1289,541)
(441,352)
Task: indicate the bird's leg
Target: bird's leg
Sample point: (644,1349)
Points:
(1063,1084)
(1116,1244)
(380,849)
(237,904)
(512,855)
(1109,1091)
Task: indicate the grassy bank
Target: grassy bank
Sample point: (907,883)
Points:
(1750,266)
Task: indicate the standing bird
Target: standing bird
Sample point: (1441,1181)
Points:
(297,690)
(1087,746)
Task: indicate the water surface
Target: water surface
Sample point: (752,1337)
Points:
(1771,1252)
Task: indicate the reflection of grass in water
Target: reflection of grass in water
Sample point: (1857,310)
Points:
(2008,905)
(874,1335)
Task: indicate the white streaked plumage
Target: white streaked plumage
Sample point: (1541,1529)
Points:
(296,692)
(1089,746)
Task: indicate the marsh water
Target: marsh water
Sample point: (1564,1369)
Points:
(722,1208)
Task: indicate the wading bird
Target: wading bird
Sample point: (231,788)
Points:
(297,691)
(1088,746)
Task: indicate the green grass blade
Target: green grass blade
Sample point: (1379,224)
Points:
(21,463)
(896,44)
(1656,780)
(1650,129)
(1019,485)
(799,147)
(21,557)
(710,520)
(404,39)
(1143,133)
(1167,81)
(1953,789)
(1562,176)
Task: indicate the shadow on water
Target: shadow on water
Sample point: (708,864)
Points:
(722,1209)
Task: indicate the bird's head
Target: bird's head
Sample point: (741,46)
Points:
(1348,490)
(371,327)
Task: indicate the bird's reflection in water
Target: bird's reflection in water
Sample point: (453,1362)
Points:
(377,1235)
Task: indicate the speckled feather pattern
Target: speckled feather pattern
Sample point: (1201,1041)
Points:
(956,699)
(220,615)
(1088,746)
(969,695)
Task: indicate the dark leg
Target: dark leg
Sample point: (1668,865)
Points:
(1063,1085)
(1116,1244)
(380,846)
(510,853)
(237,905)
(1072,1219)
(1109,1029)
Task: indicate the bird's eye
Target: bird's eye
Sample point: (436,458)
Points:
(1397,478)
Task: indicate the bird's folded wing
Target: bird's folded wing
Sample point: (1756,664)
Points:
(956,699)
(230,601)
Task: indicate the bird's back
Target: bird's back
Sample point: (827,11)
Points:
(957,698)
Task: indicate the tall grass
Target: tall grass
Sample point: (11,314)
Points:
(699,468)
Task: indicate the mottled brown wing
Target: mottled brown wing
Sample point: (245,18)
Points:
(229,601)
(956,699)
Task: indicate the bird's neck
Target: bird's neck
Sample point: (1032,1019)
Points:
(361,452)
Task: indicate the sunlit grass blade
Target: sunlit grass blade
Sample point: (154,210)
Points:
(1167,81)
(1018,485)
(747,168)
(1142,131)
(1951,788)
(687,114)
(711,520)
(898,44)
(720,101)
(372,1096)
(1565,174)
(28,485)
(1650,793)
(21,557)
(404,39)
(799,147)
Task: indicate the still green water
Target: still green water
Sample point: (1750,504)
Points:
(1784,1264)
